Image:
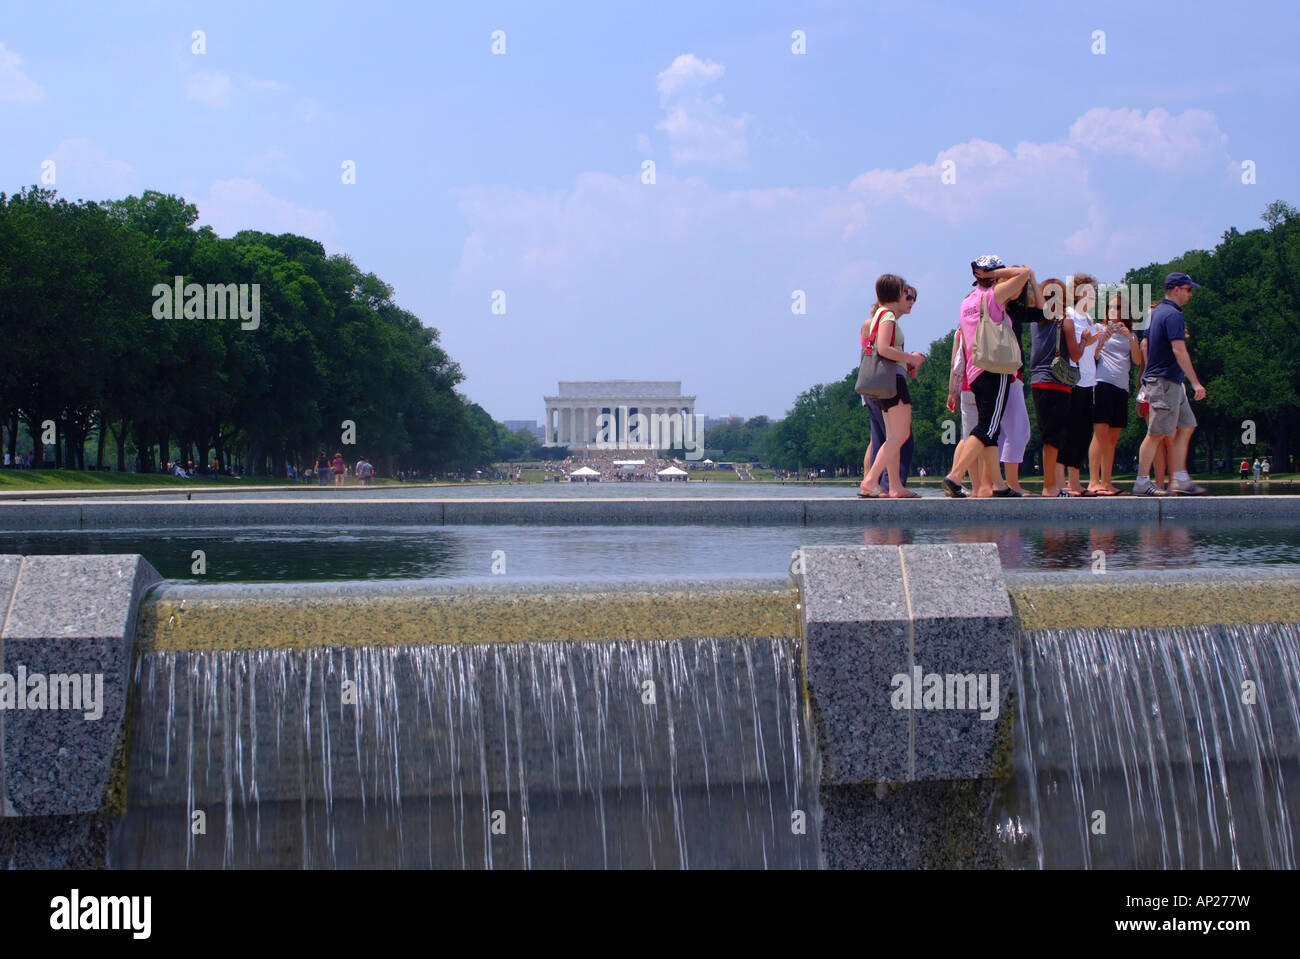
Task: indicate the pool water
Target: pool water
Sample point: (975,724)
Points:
(497,553)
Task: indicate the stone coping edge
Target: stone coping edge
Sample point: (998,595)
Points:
(176,616)
(299,616)
(1154,598)
(743,511)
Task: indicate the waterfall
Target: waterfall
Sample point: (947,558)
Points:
(681,754)
(1156,748)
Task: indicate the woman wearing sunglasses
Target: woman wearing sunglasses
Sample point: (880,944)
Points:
(881,330)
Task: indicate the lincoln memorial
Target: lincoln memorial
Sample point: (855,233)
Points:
(625,414)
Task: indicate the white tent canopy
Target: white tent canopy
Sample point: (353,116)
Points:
(671,471)
(585,471)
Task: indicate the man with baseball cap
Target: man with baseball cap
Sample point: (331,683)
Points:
(1168,363)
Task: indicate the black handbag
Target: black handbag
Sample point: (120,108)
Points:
(1062,371)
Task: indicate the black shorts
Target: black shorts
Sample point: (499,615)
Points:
(1110,405)
(990,391)
(902,396)
(1079,435)
(1052,408)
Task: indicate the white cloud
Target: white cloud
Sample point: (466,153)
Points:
(244,204)
(214,89)
(687,74)
(16,86)
(1156,137)
(700,131)
(84,170)
(973,178)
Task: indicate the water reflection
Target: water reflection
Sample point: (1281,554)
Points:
(1104,547)
(501,553)
(886,536)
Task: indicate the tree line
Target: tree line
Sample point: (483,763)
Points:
(1243,335)
(97,346)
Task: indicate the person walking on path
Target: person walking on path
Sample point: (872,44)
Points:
(1256,467)
(877,416)
(364,471)
(322,469)
(996,285)
(882,329)
(1168,364)
(1265,468)
(339,468)
(1245,470)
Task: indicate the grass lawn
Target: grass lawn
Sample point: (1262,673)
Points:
(12,479)
(21,480)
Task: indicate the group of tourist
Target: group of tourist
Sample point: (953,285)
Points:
(20,460)
(1080,376)
(325,467)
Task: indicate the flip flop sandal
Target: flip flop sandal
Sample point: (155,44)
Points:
(870,494)
(952,489)
(907,494)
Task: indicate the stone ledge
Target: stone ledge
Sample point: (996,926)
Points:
(176,617)
(1155,598)
(301,510)
(72,617)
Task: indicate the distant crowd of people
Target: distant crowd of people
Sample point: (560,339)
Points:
(1080,375)
(327,470)
(22,461)
(603,462)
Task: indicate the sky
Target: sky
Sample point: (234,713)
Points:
(670,191)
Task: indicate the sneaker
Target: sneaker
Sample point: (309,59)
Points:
(1008,492)
(1185,488)
(953,489)
(1147,488)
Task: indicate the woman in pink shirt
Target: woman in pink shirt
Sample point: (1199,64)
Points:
(340,468)
(995,285)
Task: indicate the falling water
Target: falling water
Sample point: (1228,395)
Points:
(676,754)
(1169,748)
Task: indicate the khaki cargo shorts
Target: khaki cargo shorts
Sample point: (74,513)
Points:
(1170,407)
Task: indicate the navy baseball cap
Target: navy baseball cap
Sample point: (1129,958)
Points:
(1180,279)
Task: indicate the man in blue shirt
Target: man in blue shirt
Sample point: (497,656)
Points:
(1168,363)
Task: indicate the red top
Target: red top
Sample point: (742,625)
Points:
(866,342)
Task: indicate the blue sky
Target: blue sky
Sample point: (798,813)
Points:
(774,171)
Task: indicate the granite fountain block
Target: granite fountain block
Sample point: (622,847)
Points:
(962,631)
(856,636)
(68,639)
(9,565)
(879,623)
